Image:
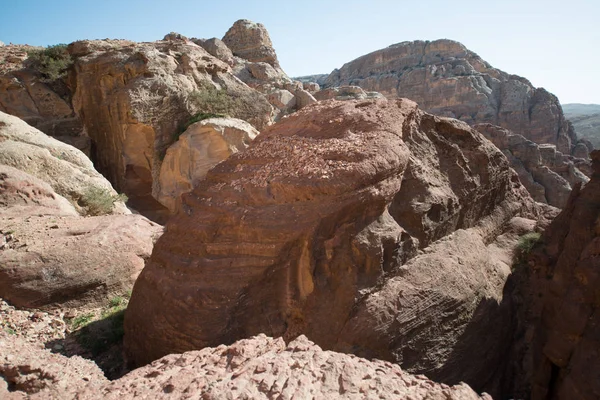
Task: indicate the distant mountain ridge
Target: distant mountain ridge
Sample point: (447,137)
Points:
(445,78)
(586,120)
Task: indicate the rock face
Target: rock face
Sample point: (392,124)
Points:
(256,368)
(250,41)
(202,146)
(447,79)
(67,170)
(306,226)
(547,174)
(49,255)
(565,275)
(145,90)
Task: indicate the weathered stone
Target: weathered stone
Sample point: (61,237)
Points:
(316,217)
(445,78)
(303,98)
(216,48)
(546,173)
(256,368)
(202,146)
(282,99)
(563,279)
(135,97)
(251,41)
(67,170)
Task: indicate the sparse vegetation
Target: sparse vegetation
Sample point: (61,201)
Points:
(98,334)
(52,62)
(99,201)
(80,321)
(201,116)
(210,100)
(526,243)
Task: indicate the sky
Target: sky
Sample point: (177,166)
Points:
(555,44)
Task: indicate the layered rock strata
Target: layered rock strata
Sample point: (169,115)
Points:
(547,174)
(445,78)
(369,226)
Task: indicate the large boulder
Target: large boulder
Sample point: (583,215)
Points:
(250,41)
(298,232)
(64,168)
(548,174)
(445,78)
(202,146)
(256,368)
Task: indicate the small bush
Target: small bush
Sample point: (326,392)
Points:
(80,321)
(99,201)
(52,62)
(526,243)
(210,100)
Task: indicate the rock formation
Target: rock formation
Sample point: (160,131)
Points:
(67,170)
(317,219)
(202,146)
(447,79)
(547,174)
(49,255)
(564,277)
(251,41)
(255,368)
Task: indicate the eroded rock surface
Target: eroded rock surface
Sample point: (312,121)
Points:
(564,278)
(202,146)
(547,174)
(303,228)
(250,41)
(64,168)
(445,78)
(256,368)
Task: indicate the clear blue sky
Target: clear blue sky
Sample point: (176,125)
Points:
(555,44)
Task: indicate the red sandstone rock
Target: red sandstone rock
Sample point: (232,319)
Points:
(296,234)
(565,278)
(256,368)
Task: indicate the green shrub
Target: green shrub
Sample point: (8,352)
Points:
(525,244)
(210,100)
(80,321)
(99,201)
(52,62)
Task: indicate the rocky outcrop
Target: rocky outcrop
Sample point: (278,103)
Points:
(42,104)
(134,96)
(563,278)
(445,78)
(250,41)
(346,93)
(256,368)
(202,146)
(547,174)
(305,228)
(49,255)
(67,170)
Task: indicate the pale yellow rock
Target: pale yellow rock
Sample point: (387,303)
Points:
(202,146)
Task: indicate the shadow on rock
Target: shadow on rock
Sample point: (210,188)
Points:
(100,341)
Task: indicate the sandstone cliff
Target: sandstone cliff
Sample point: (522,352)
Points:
(586,121)
(309,231)
(563,280)
(547,174)
(445,78)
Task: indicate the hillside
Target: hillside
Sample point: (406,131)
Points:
(586,120)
